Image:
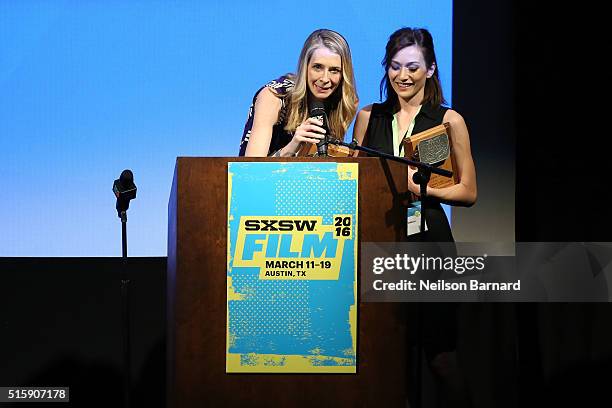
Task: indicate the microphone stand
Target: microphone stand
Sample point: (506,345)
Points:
(125,312)
(421,177)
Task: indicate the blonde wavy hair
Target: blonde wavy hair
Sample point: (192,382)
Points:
(342,104)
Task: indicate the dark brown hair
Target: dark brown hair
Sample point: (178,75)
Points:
(402,38)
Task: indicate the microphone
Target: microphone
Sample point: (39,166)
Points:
(317,110)
(125,190)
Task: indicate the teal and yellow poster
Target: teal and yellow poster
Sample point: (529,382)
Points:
(292,267)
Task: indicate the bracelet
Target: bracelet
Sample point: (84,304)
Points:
(278,153)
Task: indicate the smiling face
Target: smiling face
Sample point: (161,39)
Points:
(324,73)
(408,73)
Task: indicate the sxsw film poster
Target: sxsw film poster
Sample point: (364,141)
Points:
(292,267)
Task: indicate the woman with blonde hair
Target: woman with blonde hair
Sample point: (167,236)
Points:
(278,123)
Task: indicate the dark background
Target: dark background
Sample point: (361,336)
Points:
(527,83)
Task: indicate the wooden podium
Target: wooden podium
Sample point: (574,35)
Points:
(197,237)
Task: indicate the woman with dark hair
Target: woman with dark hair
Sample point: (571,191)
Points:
(414,103)
(278,122)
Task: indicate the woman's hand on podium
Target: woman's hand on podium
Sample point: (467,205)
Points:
(413,187)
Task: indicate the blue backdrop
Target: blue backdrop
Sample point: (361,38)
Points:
(89,88)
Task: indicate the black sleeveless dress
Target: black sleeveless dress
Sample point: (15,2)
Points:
(438,330)
(379,136)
